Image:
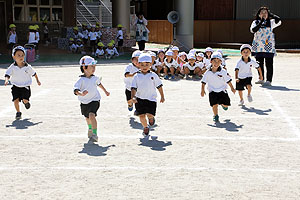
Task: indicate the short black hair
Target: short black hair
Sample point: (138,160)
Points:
(18,50)
(81,69)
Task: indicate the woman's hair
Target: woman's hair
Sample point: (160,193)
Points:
(260,9)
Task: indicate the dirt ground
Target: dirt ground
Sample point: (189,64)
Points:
(253,153)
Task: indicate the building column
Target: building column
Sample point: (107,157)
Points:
(185,26)
(121,14)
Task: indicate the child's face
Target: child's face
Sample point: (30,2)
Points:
(175,53)
(216,62)
(169,57)
(199,58)
(90,69)
(263,14)
(135,61)
(93,29)
(183,57)
(145,66)
(208,53)
(192,61)
(246,53)
(161,55)
(19,56)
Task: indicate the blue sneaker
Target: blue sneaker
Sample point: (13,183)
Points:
(172,77)
(216,118)
(166,77)
(130,108)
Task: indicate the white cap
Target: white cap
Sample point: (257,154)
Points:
(193,51)
(87,60)
(175,48)
(245,46)
(93,26)
(200,55)
(18,48)
(160,50)
(145,57)
(136,53)
(209,49)
(191,56)
(216,55)
(182,53)
(220,51)
(151,53)
(169,53)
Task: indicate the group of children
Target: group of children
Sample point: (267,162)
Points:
(142,80)
(90,39)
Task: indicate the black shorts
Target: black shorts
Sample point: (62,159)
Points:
(92,107)
(219,98)
(93,43)
(120,43)
(241,85)
(20,93)
(10,46)
(128,94)
(144,106)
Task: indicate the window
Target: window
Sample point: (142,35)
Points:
(37,10)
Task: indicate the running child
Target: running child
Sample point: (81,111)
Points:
(88,95)
(217,79)
(243,73)
(143,92)
(20,75)
(130,71)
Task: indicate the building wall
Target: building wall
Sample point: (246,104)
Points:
(214,10)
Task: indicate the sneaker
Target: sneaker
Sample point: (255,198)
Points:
(152,121)
(197,77)
(90,133)
(27,105)
(18,115)
(94,138)
(136,113)
(241,103)
(146,132)
(260,82)
(187,77)
(172,77)
(180,76)
(216,118)
(250,99)
(267,83)
(224,108)
(130,108)
(166,77)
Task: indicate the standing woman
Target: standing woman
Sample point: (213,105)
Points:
(263,45)
(141,31)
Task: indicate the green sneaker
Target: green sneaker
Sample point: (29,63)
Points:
(224,108)
(216,118)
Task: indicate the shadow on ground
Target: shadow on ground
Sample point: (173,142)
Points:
(228,125)
(155,144)
(257,111)
(280,88)
(22,124)
(92,149)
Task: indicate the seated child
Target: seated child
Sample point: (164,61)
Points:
(72,46)
(100,51)
(192,68)
(170,65)
(111,51)
(80,47)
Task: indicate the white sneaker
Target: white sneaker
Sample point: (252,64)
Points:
(90,133)
(260,82)
(267,83)
(241,103)
(250,99)
(94,138)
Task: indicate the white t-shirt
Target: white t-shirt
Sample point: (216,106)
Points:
(12,37)
(146,85)
(173,63)
(188,65)
(20,77)
(73,47)
(206,62)
(37,37)
(120,35)
(99,34)
(90,84)
(78,36)
(79,45)
(131,69)
(86,34)
(216,81)
(99,52)
(93,35)
(112,51)
(31,38)
(245,69)
(155,64)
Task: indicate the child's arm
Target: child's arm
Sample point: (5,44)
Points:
(236,75)
(130,75)
(162,96)
(133,97)
(78,93)
(37,79)
(8,35)
(6,80)
(203,89)
(231,86)
(103,88)
(260,74)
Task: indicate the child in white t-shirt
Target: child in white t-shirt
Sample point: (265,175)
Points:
(111,51)
(93,35)
(120,39)
(170,65)
(20,75)
(72,46)
(100,51)
(192,68)
(88,95)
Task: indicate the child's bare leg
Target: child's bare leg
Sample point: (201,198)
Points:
(166,71)
(197,71)
(215,109)
(16,103)
(241,95)
(172,69)
(158,70)
(186,71)
(129,102)
(150,116)
(249,87)
(143,120)
(25,101)
(93,121)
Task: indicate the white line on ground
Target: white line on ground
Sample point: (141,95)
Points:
(284,116)
(152,168)
(165,137)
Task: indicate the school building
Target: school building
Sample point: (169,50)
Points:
(201,22)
